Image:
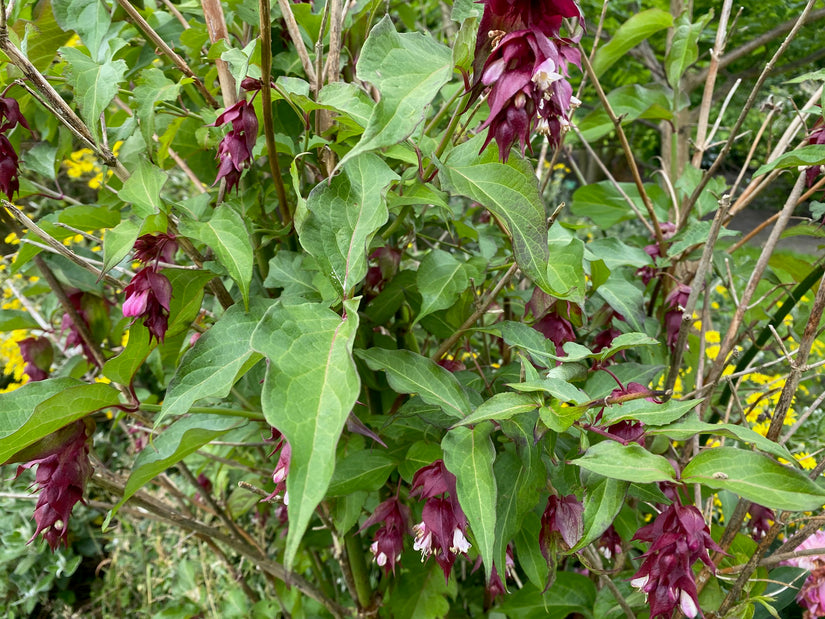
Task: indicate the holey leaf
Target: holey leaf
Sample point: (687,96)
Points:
(510,191)
(408,70)
(310,388)
(344,214)
(95,85)
(469,455)
(216,361)
(754,477)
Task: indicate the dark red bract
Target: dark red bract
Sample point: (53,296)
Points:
(38,353)
(154,247)
(678,537)
(235,149)
(61,478)
(148,296)
(388,542)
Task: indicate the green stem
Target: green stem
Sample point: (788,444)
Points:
(358,567)
(208,410)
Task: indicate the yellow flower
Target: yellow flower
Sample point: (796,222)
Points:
(12,239)
(806,460)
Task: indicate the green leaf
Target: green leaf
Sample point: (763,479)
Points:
(88,18)
(528,552)
(626,341)
(408,70)
(754,477)
(630,102)
(349,99)
(118,242)
(510,191)
(310,388)
(422,594)
(696,233)
(37,409)
(605,206)
(226,234)
(142,189)
(570,593)
(519,482)
(408,372)
(152,87)
(95,85)
(627,462)
(41,159)
(625,298)
(441,279)
(616,254)
(684,48)
(360,470)
(469,455)
(602,503)
(639,27)
(690,427)
(565,273)
(812,154)
(649,413)
(556,387)
(42,36)
(501,406)
(16,319)
(121,369)
(216,361)
(90,217)
(344,215)
(180,439)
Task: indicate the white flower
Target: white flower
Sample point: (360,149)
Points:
(460,543)
(687,604)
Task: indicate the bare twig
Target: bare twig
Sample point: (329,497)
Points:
(216,26)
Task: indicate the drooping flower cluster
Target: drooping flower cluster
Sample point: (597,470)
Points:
(653,250)
(149,293)
(62,471)
(561,528)
(10,117)
(443,525)
(235,149)
(812,594)
(388,542)
(678,538)
(526,70)
(816,137)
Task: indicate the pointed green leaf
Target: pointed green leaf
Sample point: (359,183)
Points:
(565,273)
(310,388)
(571,593)
(142,189)
(153,87)
(510,191)
(635,30)
(95,85)
(813,154)
(408,372)
(360,470)
(348,98)
(226,234)
(118,242)
(501,406)
(754,477)
(625,341)
(344,215)
(215,362)
(626,298)
(37,409)
(427,597)
(180,439)
(408,70)
(441,278)
(602,503)
(684,48)
(687,428)
(469,455)
(90,19)
(649,413)
(628,462)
